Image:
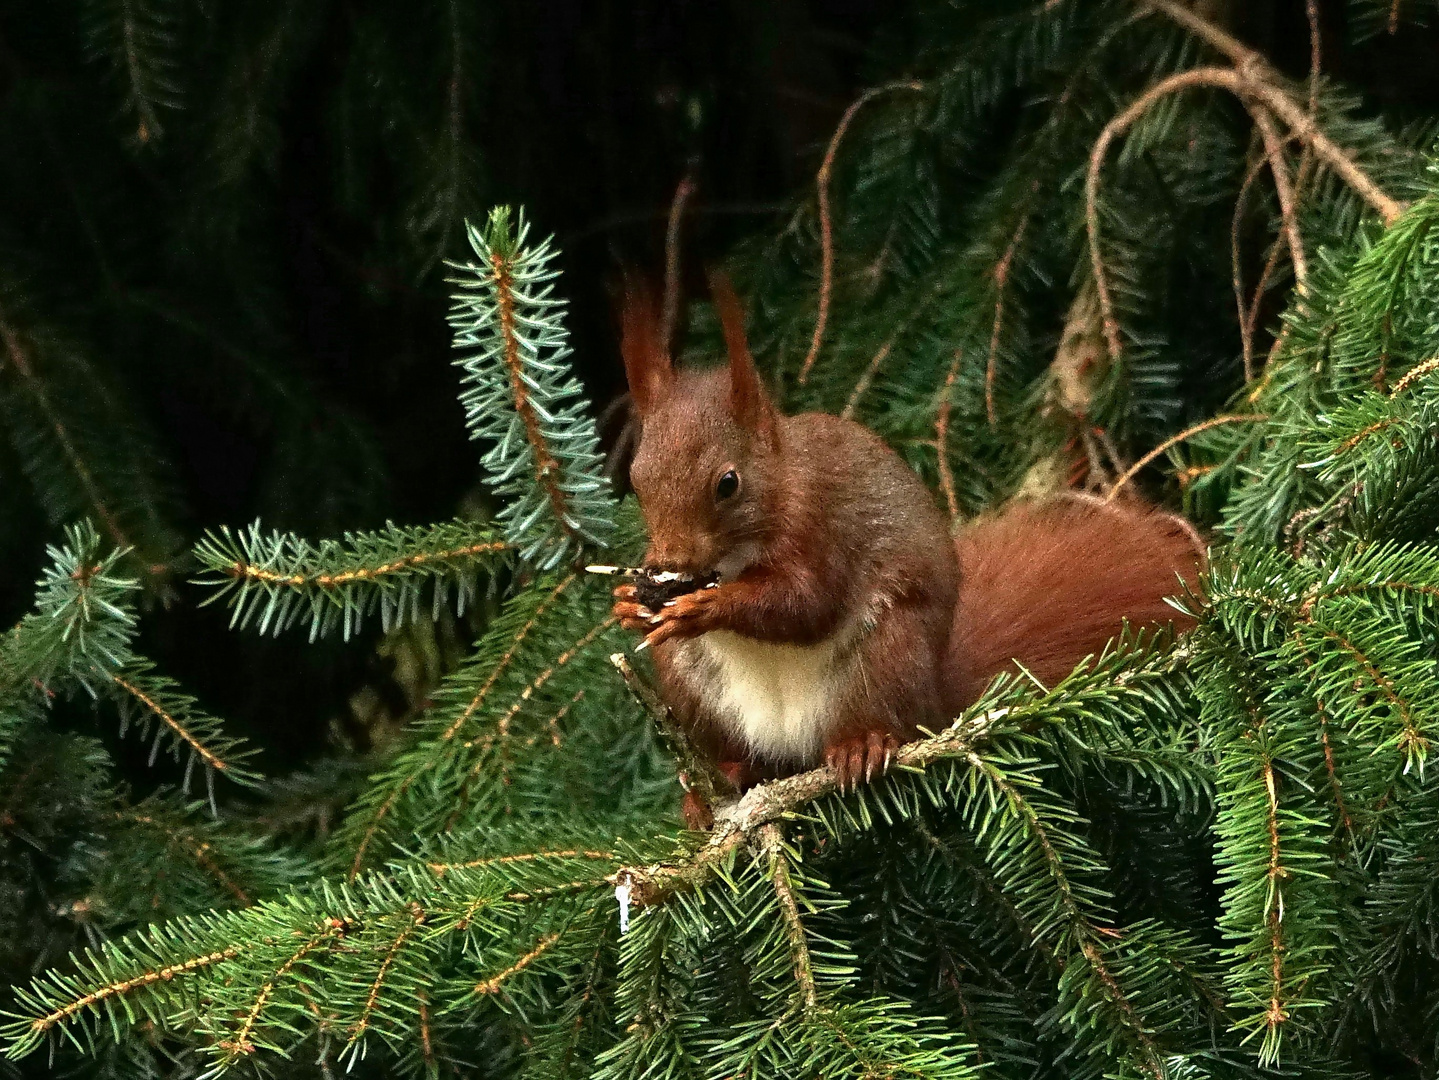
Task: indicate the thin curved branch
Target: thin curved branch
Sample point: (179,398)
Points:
(826,228)
(1288,201)
(1175,440)
(1262,82)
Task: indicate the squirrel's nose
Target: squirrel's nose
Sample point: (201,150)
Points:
(681,558)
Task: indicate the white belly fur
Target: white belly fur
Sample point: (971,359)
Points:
(776,698)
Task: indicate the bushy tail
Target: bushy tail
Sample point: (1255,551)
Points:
(1048,583)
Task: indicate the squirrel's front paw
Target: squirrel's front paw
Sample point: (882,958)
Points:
(860,757)
(632,615)
(682,617)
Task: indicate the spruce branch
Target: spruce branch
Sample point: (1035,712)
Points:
(280,579)
(771,846)
(773,801)
(19,352)
(155,703)
(511,340)
(135,39)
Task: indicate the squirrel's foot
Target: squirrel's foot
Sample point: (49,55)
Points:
(696,812)
(860,757)
(738,773)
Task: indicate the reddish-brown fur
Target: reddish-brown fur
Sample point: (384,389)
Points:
(839,582)
(1049,583)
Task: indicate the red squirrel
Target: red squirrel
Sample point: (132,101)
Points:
(845,617)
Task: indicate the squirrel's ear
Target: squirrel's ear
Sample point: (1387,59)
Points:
(748,403)
(647,356)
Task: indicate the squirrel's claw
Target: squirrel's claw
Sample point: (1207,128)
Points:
(681,617)
(632,615)
(860,757)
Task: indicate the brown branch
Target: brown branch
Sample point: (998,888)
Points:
(1001,278)
(941,439)
(670,317)
(773,801)
(1288,203)
(1206,76)
(865,379)
(826,228)
(1261,81)
(1246,335)
(771,843)
(1175,440)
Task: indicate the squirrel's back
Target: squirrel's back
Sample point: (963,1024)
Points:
(1049,583)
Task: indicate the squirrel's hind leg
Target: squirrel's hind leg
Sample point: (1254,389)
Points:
(892,690)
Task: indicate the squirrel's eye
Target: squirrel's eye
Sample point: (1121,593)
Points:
(728,485)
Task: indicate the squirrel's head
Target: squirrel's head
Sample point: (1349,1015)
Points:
(709,440)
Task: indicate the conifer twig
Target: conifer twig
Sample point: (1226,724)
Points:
(826,226)
(771,844)
(19,357)
(1175,440)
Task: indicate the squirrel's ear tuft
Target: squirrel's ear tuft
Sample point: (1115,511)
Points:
(646,353)
(748,403)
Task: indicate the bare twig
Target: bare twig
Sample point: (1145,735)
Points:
(1207,76)
(1175,440)
(866,378)
(672,260)
(941,439)
(826,227)
(1246,336)
(1283,186)
(1261,81)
